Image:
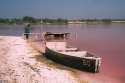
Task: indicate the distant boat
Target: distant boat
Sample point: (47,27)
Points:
(58,51)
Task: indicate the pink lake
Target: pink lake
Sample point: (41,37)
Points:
(104,40)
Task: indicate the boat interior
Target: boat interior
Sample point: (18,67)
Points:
(56,42)
(61,47)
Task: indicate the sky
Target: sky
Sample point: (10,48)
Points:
(62,8)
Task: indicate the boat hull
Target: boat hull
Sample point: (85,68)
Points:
(81,63)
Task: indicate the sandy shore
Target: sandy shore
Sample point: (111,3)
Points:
(19,63)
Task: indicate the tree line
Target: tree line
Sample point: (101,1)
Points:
(32,20)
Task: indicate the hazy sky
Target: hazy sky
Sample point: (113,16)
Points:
(63,8)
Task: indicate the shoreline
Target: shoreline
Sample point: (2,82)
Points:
(88,76)
(77,22)
(24,67)
(20,63)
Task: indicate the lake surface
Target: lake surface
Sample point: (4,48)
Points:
(104,40)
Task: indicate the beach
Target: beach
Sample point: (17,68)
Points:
(19,64)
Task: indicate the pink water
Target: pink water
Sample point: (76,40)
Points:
(104,40)
(108,42)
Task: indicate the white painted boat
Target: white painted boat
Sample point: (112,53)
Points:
(60,53)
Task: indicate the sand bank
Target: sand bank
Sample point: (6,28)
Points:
(20,63)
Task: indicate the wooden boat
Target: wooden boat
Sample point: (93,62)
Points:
(60,53)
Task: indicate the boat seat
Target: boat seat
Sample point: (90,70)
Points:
(76,53)
(71,49)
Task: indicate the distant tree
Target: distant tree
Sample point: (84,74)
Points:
(44,20)
(106,20)
(55,21)
(29,19)
(5,21)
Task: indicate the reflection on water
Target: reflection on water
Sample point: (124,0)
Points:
(106,41)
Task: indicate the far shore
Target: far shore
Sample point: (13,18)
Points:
(60,21)
(67,23)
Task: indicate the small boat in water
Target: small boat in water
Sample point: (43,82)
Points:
(58,51)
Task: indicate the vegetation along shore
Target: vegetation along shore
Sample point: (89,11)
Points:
(32,20)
